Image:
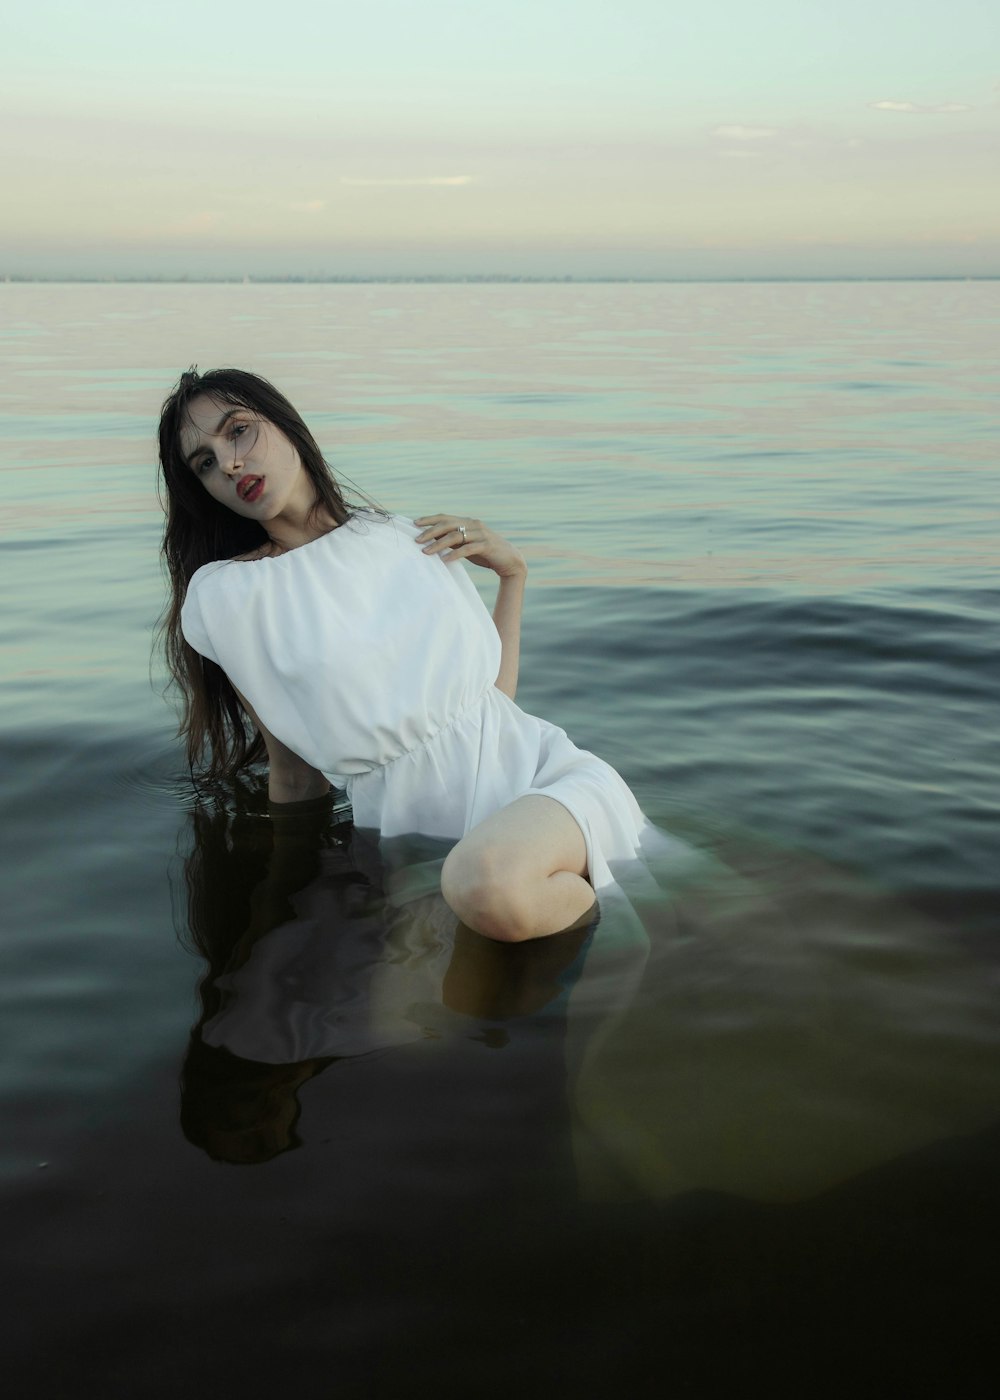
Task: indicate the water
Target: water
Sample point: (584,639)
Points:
(760,1139)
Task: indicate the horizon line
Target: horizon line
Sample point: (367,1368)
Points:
(317,279)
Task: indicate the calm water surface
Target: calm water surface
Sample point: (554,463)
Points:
(745,1127)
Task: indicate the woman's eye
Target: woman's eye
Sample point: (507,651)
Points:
(204,464)
(238,430)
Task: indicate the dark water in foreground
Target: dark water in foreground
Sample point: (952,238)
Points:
(749,1139)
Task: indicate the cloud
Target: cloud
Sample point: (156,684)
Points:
(308,206)
(410,181)
(888,105)
(745,133)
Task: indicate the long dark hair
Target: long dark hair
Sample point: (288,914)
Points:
(199,529)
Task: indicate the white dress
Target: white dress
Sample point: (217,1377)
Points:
(376,663)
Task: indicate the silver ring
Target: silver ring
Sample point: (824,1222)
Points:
(461,530)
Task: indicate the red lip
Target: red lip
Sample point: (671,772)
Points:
(249,488)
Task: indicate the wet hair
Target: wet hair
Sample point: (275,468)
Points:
(219,737)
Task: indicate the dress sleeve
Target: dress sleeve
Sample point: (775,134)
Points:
(463,582)
(193,622)
(461,576)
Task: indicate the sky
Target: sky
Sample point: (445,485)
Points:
(530,137)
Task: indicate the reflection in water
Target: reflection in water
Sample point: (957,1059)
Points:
(319,950)
(756,1100)
(740,1019)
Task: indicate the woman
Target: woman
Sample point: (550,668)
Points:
(358,650)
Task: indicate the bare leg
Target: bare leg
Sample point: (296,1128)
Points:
(521,873)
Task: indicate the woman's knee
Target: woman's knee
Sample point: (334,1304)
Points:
(482,886)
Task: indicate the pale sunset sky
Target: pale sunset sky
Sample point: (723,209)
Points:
(529,137)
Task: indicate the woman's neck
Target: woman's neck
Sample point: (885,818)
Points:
(287,532)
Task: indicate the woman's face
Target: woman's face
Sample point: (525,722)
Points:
(244,461)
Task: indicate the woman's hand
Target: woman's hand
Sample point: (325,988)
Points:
(463,538)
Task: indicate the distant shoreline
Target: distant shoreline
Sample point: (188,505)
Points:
(485,278)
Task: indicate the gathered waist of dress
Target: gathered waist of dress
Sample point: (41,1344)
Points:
(423,743)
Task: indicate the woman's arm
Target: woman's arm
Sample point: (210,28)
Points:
(289,778)
(463,538)
(507,616)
